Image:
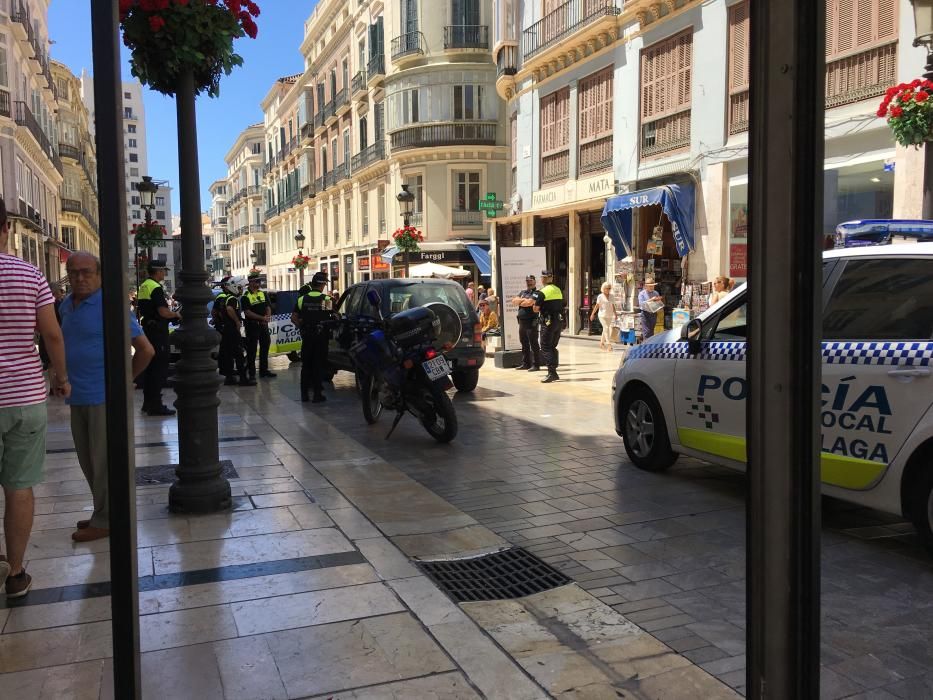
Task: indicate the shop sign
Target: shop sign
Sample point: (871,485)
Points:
(574,191)
(362,263)
(738,260)
(491,205)
(348,260)
(544,199)
(378,264)
(599,186)
(442,257)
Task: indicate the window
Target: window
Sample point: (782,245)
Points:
(409,16)
(127,112)
(468,101)
(886,299)
(131,128)
(513,141)
(362,54)
(134,200)
(466,191)
(134,158)
(739,66)
(348,217)
(160,201)
(324,221)
(136,214)
(134,172)
(345,72)
(364,136)
(132,143)
(595,121)
(410,106)
(127,96)
(4,76)
(733,326)
(861,49)
(364,212)
(416,187)
(160,214)
(666,86)
(555,136)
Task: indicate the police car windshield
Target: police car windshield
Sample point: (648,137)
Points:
(408,295)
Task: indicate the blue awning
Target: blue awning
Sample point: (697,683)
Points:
(389,253)
(480,255)
(677,201)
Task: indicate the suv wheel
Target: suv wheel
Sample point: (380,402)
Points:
(921,510)
(644,431)
(466,379)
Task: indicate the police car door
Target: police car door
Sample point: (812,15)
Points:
(877,351)
(710,389)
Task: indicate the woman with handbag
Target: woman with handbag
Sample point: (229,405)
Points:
(607,314)
(650,303)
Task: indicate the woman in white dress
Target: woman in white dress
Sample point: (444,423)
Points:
(607,314)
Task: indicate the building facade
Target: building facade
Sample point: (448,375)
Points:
(78,217)
(246,230)
(31,171)
(606,98)
(217,225)
(392,93)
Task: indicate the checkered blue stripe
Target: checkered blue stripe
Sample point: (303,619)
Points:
(917,354)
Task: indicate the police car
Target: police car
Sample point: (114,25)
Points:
(876,389)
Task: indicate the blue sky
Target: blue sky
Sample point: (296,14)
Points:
(272,54)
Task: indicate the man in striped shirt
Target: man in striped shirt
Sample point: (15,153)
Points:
(26,305)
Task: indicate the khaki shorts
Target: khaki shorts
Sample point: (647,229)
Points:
(22,445)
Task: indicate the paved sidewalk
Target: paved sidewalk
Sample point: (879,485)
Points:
(307,589)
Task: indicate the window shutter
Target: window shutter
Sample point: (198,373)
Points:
(667,79)
(739,47)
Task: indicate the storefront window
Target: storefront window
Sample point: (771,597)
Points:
(864,191)
(738,231)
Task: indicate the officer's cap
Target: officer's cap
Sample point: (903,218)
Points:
(547,273)
(530,278)
(156,265)
(319,278)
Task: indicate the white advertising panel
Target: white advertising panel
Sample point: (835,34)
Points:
(516,264)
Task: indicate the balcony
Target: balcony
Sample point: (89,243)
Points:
(66,150)
(358,84)
(257,228)
(223,247)
(375,70)
(369,155)
(319,119)
(291,200)
(408,44)
(555,167)
(466,36)
(556,26)
(507,61)
(24,117)
(669,133)
(595,155)
(461,218)
(5,104)
(220,221)
(341,102)
(445,134)
(271,212)
(253,191)
(72,206)
(861,76)
(739,106)
(416,219)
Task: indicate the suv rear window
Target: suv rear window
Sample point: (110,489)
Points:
(407,296)
(882,299)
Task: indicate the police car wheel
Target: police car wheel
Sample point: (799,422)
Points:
(644,432)
(922,509)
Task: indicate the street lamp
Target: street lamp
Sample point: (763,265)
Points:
(300,242)
(147,191)
(405,201)
(923,21)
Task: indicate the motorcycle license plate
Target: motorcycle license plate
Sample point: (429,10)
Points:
(438,368)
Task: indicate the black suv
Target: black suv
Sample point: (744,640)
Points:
(400,294)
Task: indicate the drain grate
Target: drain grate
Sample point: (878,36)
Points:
(512,573)
(165,473)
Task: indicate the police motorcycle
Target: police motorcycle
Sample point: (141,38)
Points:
(401,367)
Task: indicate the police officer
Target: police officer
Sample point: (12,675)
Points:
(310,311)
(528,326)
(232,353)
(549,302)
(258,313)
(154,316)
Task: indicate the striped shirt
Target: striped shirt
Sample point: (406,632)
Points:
(23,291)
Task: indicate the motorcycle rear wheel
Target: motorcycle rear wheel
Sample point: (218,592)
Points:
(442,425)
(369,393)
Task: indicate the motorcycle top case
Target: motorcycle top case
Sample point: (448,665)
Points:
(418,326)
(373,352)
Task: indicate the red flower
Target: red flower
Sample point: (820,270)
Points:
(249,26)
(890,92)
(156,23)
(252,8)
(182,3)
(882,112)
(921,96)
(896,112)
(916,83)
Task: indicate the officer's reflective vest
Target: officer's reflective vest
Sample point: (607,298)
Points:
(144,300)
(553,303)
(316,301)
(552,292)
(313,308)
(257,298)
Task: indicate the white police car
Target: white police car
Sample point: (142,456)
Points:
(877,388)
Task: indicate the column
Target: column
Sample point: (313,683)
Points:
(575,267)
(574,130)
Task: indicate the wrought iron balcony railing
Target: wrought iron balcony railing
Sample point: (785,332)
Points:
(444,134)
(466,36)
(563,21)
(408,44)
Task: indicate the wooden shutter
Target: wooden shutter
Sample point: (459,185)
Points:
(562,126)
(739,47)
(595,105)
(666,76)
(856,25)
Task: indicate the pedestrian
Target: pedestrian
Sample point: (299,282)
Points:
(493,300)
(607,315)
(83,328)
(26,305)
(488,318)
(720,290)
(528,326)
(232,354)
(309,313)
(470,292)
(549,303)
(650,302)
(58,294)
(154,317)
(258,313)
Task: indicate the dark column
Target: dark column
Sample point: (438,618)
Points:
(124,594)
(199,488)
(928,154)
(786,187)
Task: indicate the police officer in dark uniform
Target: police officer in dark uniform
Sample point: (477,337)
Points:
(549,302)
(232,354)
(258,312)
(528,326)
(154,316)
(311,310)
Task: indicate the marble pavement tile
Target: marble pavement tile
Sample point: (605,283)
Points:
(386,559)
(685,683)
(310,516)
(456,540)
(346,655)
(272,500)
(247,670)
(426,601)
(71,612)
(248,550)
(242,523)
(314,608)
(55,647)
(51,544)
(443,686)
(186,627)
(185,672)
(329,498)
(81,681)
(254,588)
(353,523)
(80,568)
(162,531)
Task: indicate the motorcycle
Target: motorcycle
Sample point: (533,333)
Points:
(400,366)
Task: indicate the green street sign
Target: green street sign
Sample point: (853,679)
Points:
(490,196)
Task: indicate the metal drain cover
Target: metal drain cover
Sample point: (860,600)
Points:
(165,473)
(511,573)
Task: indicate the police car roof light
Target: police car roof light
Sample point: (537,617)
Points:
(879,231)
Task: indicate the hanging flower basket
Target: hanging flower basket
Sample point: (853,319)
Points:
(300,262)
(151,235)
(169,38)
(407,239)
(254,272)
(909,111)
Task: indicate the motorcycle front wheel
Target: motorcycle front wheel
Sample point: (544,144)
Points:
(441,418)
(369,393)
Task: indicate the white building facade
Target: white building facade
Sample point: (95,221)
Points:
(605,99)
(246,230)
(217,223)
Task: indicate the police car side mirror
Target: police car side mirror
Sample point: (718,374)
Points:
(692,333)
(372,296)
